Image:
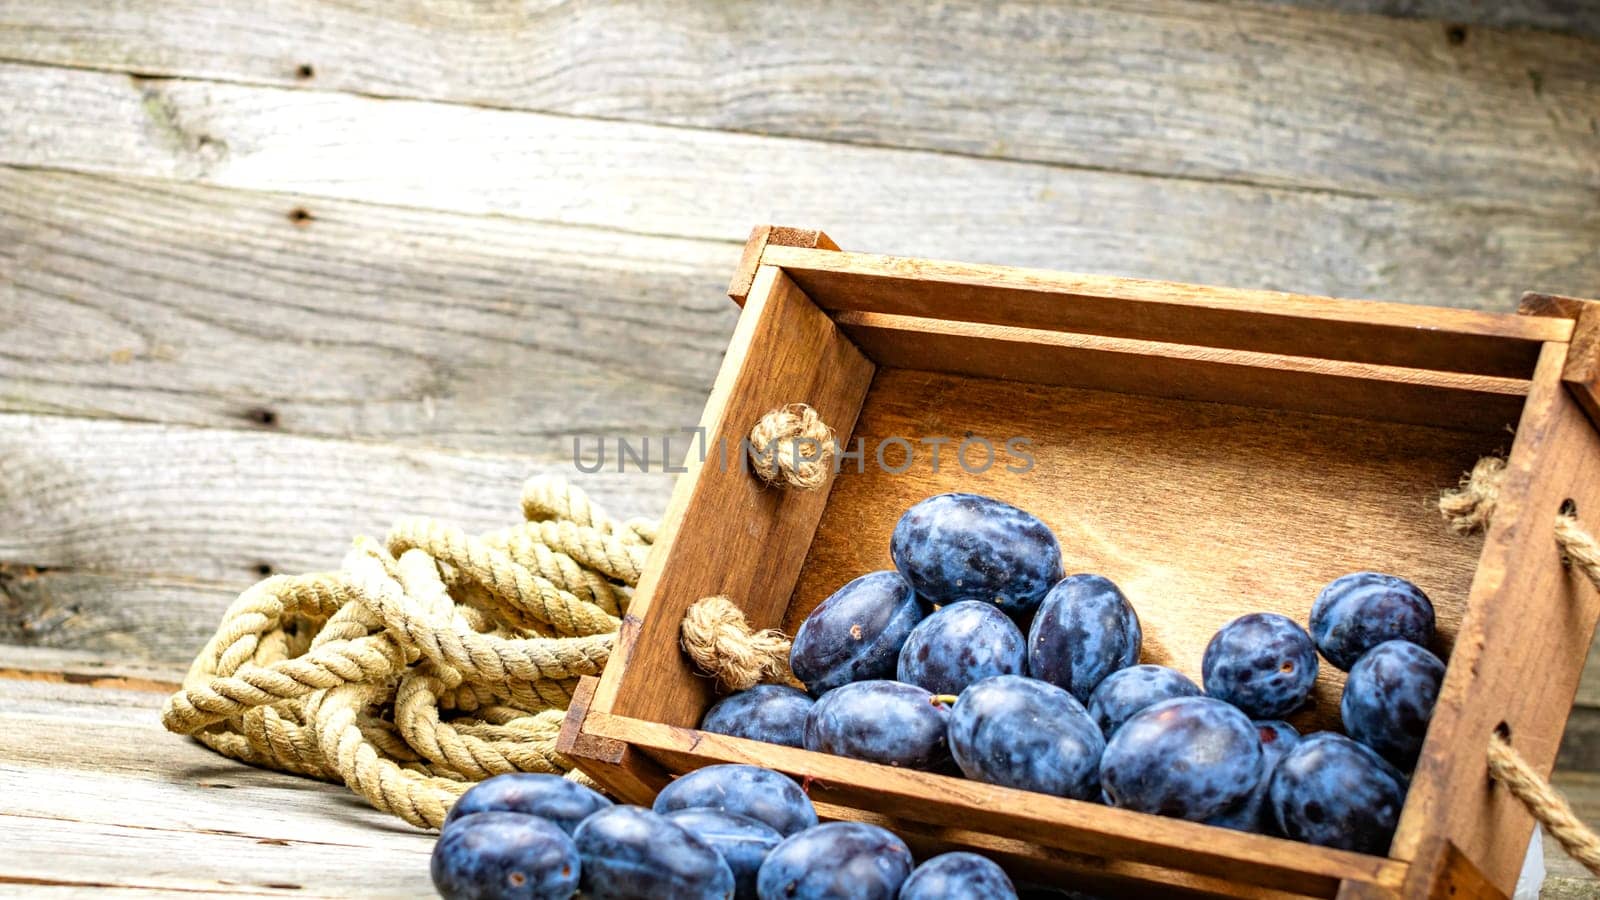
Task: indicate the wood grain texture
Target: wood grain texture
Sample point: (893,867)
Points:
(1113,879)
(1286,502)
(1521,598)
(1180,371)
(675,181)
(726,531)
(1582,371)
(1459,878)
(763,236)
(89,667)
(623,772)
(140,618)
(216,506)
(155,300)
(1564,16)
(1580,741)
(1262,321)
(94,795)
(1301,97)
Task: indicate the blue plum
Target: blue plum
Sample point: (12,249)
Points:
(1359,611)
(775,713)
(1126,691)
(761,794)
(958,876)
(562,801)
(1388,699)
(955,547)
(856,634)
(1332,791)
(742,842)
(1027,734)
(1192,758)
(1254,813)
(960,644)
(836,861)
(1277,738)
(495,855)
(1263,663)
(631,853)
(883,722)
(1084,630)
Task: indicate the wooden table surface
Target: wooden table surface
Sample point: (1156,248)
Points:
(274,273)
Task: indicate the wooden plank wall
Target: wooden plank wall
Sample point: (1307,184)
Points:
(273,273)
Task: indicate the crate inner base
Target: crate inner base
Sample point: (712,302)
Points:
(1200,512)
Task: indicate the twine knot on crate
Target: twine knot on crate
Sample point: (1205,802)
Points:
(1469,509)
(792,445)
(718,639)
(427,662)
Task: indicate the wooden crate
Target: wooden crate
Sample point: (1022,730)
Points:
(1215,452)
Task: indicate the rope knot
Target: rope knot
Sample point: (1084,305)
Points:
(792,445)
(1469,507)
(718,638)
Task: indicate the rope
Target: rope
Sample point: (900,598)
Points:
(1468,509)
(427,662)
(436,659)
(718,638)
(1508,767)
(792,445)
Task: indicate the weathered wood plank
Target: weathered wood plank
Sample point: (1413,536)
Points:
(144,618)
(1302,97)
(1589,685)
(675,181)
(225,507)
(75,854)
(40,719)
(94,794)
(97,668)
(1577,17)
(1580,741)
(184,304)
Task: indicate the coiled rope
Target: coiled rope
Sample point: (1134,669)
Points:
(437,659)
(425,663)
(1469,509)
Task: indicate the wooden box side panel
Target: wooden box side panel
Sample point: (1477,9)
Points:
(1521,647)
(1201,512)
(1249,861)
(1189,372)
(1265,321)
(1096,876)
(1582,370)
(726,531)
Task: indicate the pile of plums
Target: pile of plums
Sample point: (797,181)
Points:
(977,654)
(723,831)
